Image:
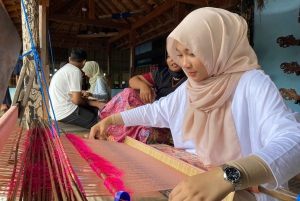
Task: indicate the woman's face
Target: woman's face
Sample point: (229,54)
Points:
(172,65)
(191,65)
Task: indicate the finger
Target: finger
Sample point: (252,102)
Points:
(175,191)
(143,98)
(94,131)
(180,197)
(150,98)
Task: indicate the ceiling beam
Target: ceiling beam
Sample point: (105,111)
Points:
(155,13)
(201,3)
(58,6)
(15,14)
(152,15)
(77,38)
(85,21)
(14,7)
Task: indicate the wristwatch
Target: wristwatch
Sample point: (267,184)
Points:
(233,175)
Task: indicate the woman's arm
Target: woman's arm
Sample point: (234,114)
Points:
(139,82)
(277,137)
(157,114)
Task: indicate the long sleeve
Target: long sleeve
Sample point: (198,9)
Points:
(166,112)
(100,90)
(271,131)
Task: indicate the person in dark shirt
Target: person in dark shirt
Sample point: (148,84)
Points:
(165,80)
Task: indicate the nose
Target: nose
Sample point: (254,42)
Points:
(185,63)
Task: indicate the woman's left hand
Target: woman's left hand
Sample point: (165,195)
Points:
(207,186)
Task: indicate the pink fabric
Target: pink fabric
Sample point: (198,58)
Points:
(7,123)
(126,100)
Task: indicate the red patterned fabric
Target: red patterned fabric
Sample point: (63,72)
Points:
(181,155)
(126,100)
(149,78)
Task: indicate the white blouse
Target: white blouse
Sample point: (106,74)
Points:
(100,91)
(265,126)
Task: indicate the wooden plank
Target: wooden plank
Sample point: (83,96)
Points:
(78,38)
(92,9)
(13,8)
(58,6)
(180,11)
(132,53)
(155,13)
(201,3)
(86,21)
(149,7)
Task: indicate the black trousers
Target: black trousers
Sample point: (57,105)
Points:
(85,117)
(7,99)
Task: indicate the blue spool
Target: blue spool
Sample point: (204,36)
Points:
(298,198)
(122,196)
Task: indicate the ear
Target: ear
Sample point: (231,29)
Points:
(69,59)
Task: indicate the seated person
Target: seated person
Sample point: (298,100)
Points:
(165,80)
(228,112)
(65,93)
(99,88)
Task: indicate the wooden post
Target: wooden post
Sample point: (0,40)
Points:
(34,104)
(108,64)
(44,47)
(180,12)
(132,52)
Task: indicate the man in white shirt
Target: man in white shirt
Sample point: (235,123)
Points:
(65,92)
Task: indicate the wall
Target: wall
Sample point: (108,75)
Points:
(279,18)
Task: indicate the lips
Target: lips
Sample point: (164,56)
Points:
(192,74)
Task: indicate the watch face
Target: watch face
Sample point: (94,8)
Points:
(233,174)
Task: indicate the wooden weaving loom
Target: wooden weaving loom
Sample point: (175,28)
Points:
(21,165)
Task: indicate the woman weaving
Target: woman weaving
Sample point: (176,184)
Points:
(228,112)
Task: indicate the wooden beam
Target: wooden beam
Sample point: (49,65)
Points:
(85,21)
(201,3)
(132,53)
(180,11)
(117,10)
(44,47)
(68,45)
(108,52)
(14,7)
(155,13)
(78,38)
(149,7)
(57,6)
(92,9)
(15,14)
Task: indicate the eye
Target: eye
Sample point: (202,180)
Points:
(179,55)
(191,54)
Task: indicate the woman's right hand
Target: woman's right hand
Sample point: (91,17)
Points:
(99,129)
(146,94)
